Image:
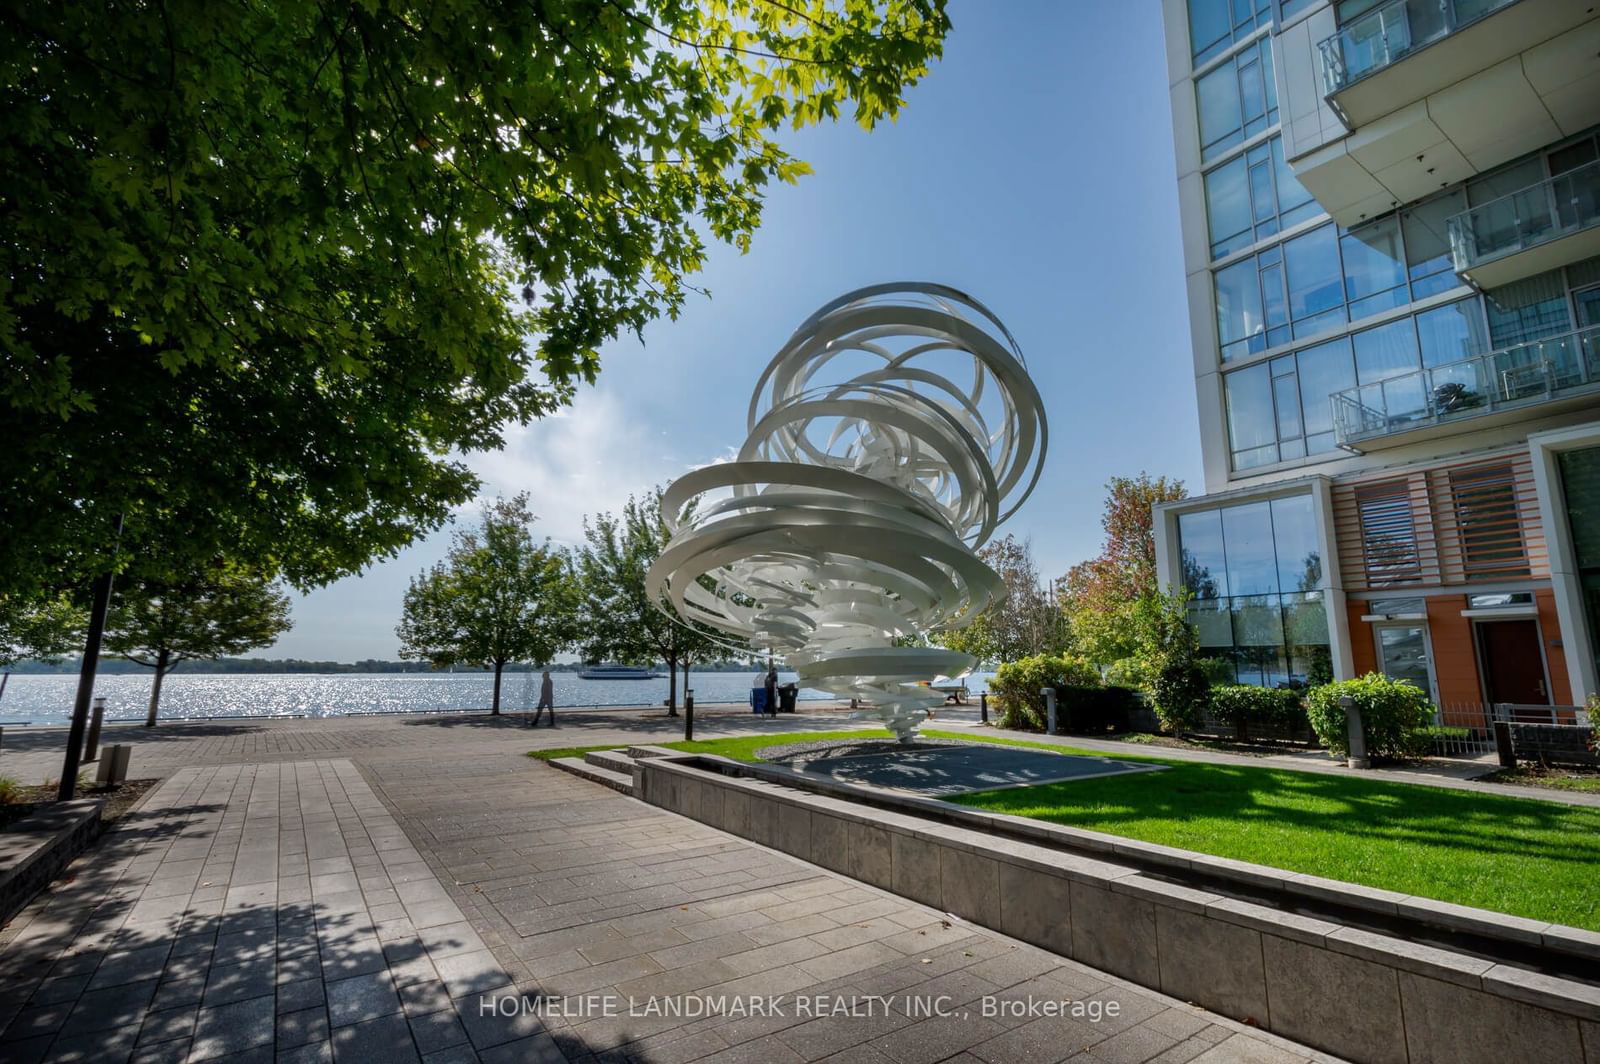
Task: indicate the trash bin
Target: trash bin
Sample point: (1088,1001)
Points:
(787,693)
(758,699)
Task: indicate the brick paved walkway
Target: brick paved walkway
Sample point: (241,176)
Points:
(365,907)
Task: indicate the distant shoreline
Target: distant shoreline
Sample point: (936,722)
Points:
(286,666)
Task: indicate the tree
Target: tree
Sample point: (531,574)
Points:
(498,597)
(621,622)
(270,268)
(1101,596)
(1025,623)
(214,611)
(45,629)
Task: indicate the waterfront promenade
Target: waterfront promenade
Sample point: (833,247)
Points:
(414,888)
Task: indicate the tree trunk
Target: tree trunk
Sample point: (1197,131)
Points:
(499,667)
(155,687)
(672,686)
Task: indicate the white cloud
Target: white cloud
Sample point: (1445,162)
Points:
(583,460)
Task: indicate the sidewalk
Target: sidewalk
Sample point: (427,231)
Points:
(365,907)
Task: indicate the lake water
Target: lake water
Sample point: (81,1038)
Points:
(46,699)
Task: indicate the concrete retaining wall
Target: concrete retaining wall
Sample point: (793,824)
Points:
(34,850)
(1359,994)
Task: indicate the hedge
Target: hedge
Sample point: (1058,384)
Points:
(1095,710)
(1017,685)
(1393,712)
(1261,709)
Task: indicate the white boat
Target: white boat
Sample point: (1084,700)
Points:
(615,672)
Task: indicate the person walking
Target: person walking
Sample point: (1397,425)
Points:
(771,685)
(547,700)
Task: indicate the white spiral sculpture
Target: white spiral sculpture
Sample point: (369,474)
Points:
(851,517)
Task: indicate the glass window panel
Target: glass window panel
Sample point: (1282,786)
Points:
(1294,534)
(1316,282)
(1268,80)
(1252,562)
(1286,394)
(1205,570)
(1426,231)
(1210,28)
(1213,623)
(1572,156)
(1372,261)
(1387,351)
(1322,443)
(1291,449)
(1274,309)
(1251,423)
(1365,308)
(1252,94)
(1238,301)
(1451,333)
(1256,456)
(1291,193)
(1528,310)
(1265,203)
(1228,208)
(1481,190)
(1257,621)
(1324,369)
(1218,101)
(1317,324)
(1294,7)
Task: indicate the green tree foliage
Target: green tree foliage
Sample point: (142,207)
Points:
(1259,709)
(1169,652)
(270,267)
(46,629)
(1101,595)
(213,611)
(1391,713)
(1025,623)
(1017,685)
(620,621)
(498,597)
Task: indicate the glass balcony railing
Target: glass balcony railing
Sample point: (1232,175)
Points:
(1536,372)
(1389,33)
(1527,217)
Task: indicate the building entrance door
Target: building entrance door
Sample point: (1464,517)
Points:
(1513,662)
(1403,655)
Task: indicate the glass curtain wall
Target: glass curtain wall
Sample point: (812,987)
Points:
(1253,196)
(1279,410)
(1255,571)
(1214,25)
(1237,100)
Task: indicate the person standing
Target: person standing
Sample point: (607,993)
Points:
(771,685)
(547,700)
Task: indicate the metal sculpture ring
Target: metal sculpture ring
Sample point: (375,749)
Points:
(887,439)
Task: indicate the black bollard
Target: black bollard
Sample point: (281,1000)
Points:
(100,600)
(983,706)
(688,716)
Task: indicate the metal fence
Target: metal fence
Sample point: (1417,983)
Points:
(1466,729)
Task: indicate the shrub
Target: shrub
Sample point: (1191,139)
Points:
(1091,710)
(1017,685)
(10,791)
(1392,714)
(1132,673)
(1180,693)
(1262,708)
(1218,671)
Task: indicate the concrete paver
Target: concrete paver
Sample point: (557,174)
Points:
(445,898)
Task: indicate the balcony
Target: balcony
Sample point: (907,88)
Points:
(1534,229)
(1388,34)
(1429,93)
(1555,373)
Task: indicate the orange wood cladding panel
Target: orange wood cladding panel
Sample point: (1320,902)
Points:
(1440,525)
(1455,661)
(1554,656)
(1363,651)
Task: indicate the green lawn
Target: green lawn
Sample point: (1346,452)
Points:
(1513,855)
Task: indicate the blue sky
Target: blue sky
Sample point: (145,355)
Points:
(1033,169)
